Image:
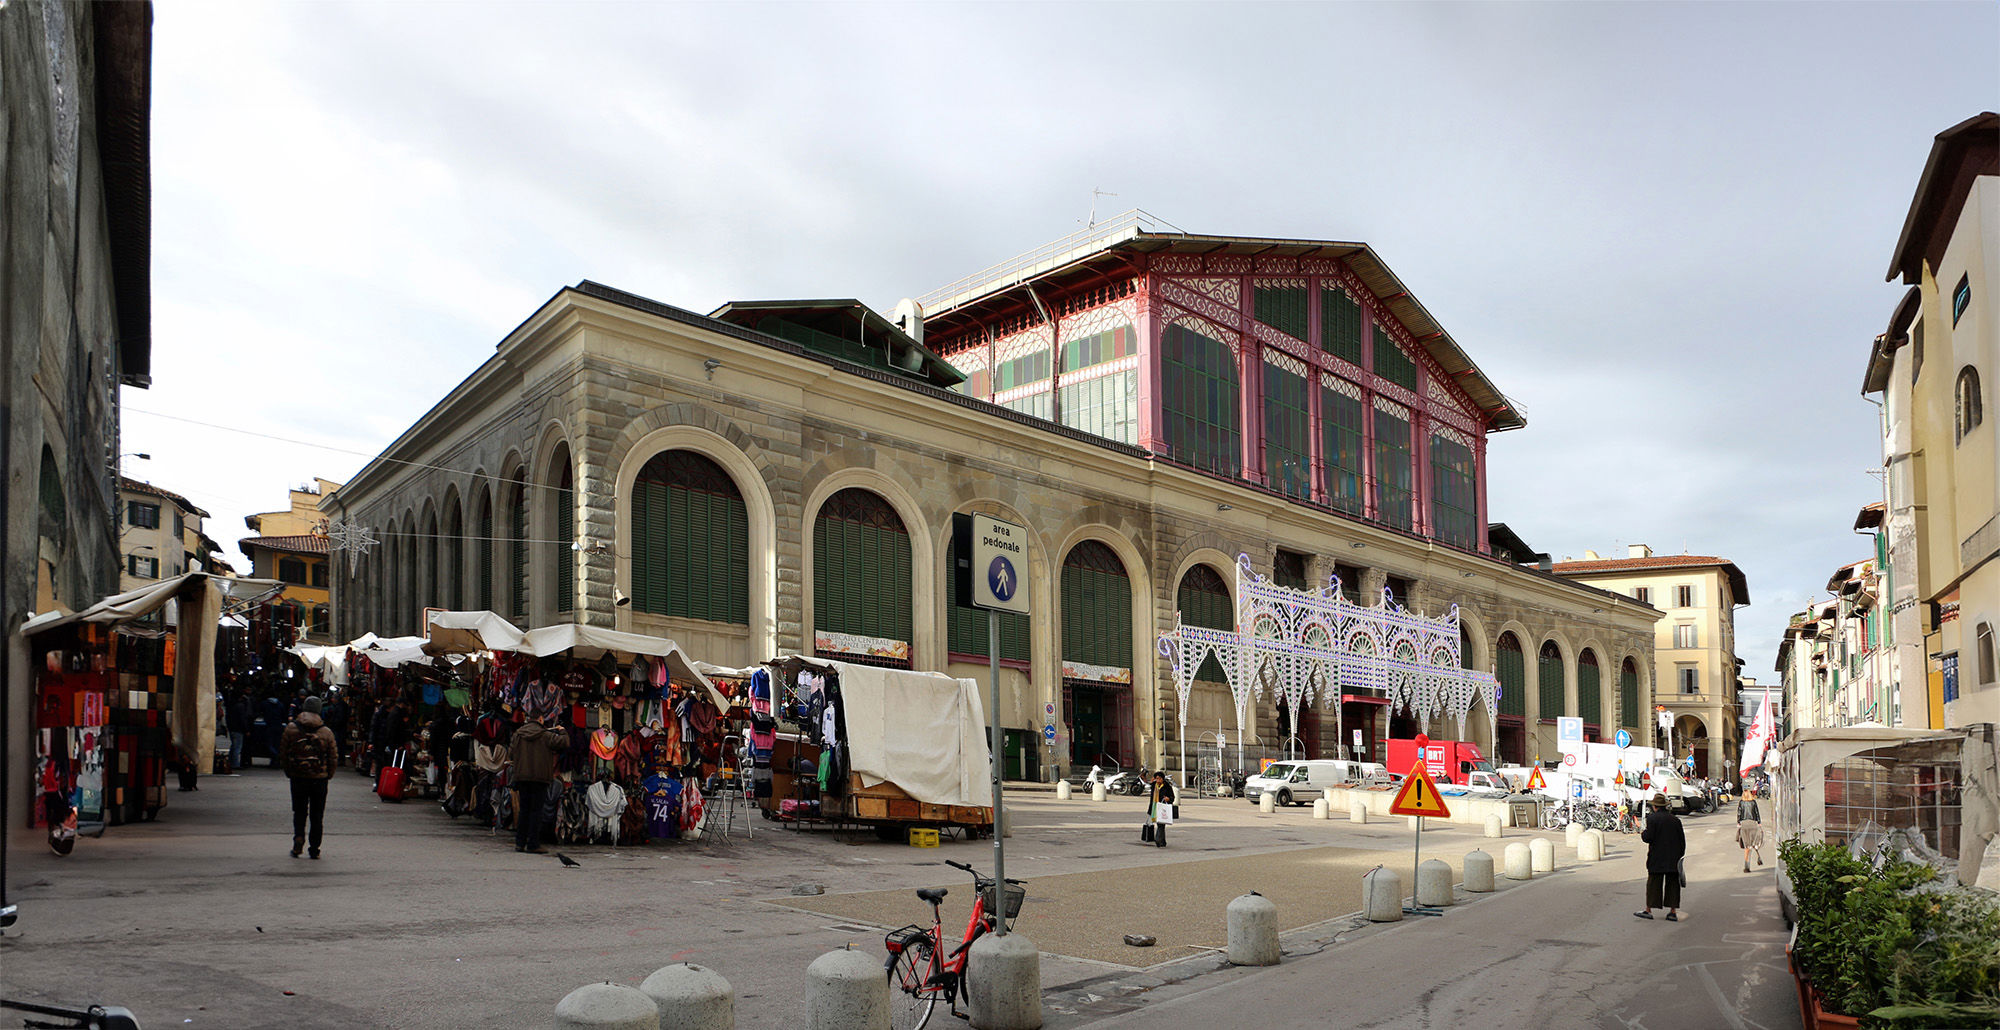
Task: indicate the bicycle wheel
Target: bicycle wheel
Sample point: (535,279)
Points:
(910,998)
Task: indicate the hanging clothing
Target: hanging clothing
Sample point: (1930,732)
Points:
(607,804)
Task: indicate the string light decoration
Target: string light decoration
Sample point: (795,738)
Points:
(1305,645)
(343,535)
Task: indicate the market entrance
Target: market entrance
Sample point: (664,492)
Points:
(1100,723)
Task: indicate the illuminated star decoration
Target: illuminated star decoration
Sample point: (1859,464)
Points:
(342,535)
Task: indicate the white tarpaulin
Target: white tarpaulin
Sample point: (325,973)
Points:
(593,642)
(329,662)
(467,632)
(921,731)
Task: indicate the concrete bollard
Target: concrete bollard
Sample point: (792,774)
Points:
(1004,982)
(1590,846)
(610,1006)
(1382,895)
(1434,883)
(1479,872)
(847,991)
(691,997)
(1358,812)
(1519,864)
(1543,852)
(1097,792)
(1062,790)
(1571,833)
(1267,802)
(1320,809)
(1493,826)
(1253,931)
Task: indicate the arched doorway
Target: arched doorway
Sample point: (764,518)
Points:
(1202,599)
(1691,738)
(1589,704)
(1510,666)
(1096,605)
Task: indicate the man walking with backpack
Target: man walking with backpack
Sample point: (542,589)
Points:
(308,754)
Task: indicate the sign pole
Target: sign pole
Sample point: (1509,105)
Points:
(999,826)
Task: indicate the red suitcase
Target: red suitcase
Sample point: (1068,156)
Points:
(389,787)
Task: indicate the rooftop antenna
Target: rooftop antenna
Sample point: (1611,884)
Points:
(1094,194)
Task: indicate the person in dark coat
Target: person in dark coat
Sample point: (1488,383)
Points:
(306,751)
(378,738)
(1162,794)
(1666,845)
(533,753)
(335,717)
(237,712)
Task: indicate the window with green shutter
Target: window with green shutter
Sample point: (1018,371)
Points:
(1628,695)
(1282,308)
(1199,401)
(861,567)
(1588,704)
(1394,471)
(1340,325)
(1203,600)
(1096,607)
(1340,449)
(1287,443)
(967,630)
(565,536)
(1510,667)
(454,549)
(483,582)
(1549,675)
(691,540)
(517,544)
(1392,364)
(1454,493)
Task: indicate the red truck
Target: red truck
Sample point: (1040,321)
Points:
(1448,761)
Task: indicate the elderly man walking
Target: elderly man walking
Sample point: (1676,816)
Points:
(1666,845)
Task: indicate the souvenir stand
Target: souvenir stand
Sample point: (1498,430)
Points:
(119,699)
(835,744)
(645,730)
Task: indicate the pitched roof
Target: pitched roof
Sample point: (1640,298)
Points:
(304,544)
(133,486)
(1611,566)
(1958,155)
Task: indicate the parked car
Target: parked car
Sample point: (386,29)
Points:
(1300,782)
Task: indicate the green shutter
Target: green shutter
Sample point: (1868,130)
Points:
(1340,325)
(565,557)
(1512,671)
(485,583)
(1392,364)
(1550,677)
(517,553)
(1628,697)
(1282,308)
(1587,701)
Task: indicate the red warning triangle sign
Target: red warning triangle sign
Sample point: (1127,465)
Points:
(1535,781)
(1419,795)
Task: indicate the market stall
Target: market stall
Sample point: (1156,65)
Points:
(840,744)
(124,690)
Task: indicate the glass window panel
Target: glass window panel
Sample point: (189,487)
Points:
(1200,401)
(1392,364)
(1340,449)
(1282,308)
(1340,325)
(1394,475)
(1455,493)
(1287,455)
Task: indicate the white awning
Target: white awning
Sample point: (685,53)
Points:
(592,642)
(469,632)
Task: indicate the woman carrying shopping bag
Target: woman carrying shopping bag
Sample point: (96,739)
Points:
(1161,811)
(1749,828)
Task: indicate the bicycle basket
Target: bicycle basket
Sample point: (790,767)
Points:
(1016,895)
(897,940)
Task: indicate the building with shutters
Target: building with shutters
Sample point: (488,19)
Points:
(160,535)
(780,476)
(1695,681)
(290,547)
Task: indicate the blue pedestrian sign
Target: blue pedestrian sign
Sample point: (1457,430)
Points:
(999,565)
(1624,738)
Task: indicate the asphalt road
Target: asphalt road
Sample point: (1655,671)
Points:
(415,920)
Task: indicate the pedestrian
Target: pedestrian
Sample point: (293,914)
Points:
(238,714)
(335,715)
(1666,845)
(378,738)
(308,754)
(1161,808)
(1750,827)
(533,754)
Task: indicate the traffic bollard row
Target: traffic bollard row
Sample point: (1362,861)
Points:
(1479,872)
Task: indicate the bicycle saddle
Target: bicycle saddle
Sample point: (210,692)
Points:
(933,894)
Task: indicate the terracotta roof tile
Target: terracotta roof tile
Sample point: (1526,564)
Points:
(1659,561)
(304,544)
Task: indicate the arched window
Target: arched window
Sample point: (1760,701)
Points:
(1203,600)
(691,540)
(1510,666)
(517,543)
(1549,675)
(1588,704)
(454,554)
(969,632)
(1628,695)
(1971,407)
(482,522)
(1984,636)
(861,579)
(1200,400)
(563,500)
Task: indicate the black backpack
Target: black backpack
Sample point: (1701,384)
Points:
(304,758)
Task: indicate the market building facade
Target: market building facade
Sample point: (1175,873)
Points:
(779,477)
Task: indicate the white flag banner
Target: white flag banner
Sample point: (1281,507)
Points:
(1758,740)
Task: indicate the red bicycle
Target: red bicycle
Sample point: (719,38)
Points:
(920,972)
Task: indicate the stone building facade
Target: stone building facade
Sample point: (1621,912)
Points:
(780,477)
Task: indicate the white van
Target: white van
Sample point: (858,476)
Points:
(1301,782)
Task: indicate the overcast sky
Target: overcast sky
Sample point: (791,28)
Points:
(1662,229)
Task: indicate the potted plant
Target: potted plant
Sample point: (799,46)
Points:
(1890,947)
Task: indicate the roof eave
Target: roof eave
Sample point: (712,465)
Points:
(1929,202)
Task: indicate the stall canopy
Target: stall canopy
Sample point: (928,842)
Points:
(469,632)
(922,731)
(200,597)
(590,643)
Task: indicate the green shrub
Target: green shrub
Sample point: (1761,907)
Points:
(1874,944)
